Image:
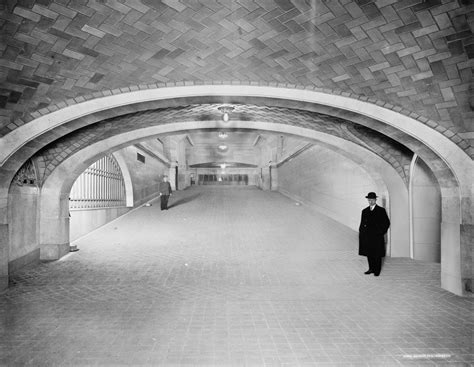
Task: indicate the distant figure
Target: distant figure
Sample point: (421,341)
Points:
(373,226)
(165,193)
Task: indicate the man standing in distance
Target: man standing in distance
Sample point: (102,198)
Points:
(165,193)
(373,226)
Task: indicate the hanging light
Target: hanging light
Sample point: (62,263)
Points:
(222,147)
(223,165)
(223,135)
(226,110)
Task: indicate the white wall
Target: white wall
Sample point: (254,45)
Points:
(199,154)
(328,182)
(426,214)
(22,206)
(146,177)
(85,221)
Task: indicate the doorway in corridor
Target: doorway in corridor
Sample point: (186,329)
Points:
(223,179)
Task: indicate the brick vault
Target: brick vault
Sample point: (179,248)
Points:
(396,74)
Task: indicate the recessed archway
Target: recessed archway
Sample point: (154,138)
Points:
(56,188)
(362,112)
(448,162)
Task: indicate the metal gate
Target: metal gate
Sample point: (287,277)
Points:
(99,186)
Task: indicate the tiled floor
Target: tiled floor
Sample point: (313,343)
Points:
(234,277)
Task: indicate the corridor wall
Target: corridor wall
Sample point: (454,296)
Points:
(329,183)
(146,177)
(23,212)
(85,221)
(426,214)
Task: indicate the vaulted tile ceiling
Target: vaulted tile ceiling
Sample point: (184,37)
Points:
(416,55)
(56,152)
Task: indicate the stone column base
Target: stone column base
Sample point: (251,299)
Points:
(451,283)
(49,252)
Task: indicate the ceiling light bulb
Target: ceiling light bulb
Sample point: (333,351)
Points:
(223,135)
(222,147)
(223,166)
(225,110)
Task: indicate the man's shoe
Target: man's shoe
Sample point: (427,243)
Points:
(368,272)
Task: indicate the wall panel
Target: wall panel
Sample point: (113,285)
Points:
(328,183)
(426,214)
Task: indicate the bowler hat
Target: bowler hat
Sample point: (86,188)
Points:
(371,195)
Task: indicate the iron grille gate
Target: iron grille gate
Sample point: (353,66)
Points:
(99,186)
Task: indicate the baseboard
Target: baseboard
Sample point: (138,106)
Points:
(130,210)
(30,258)
(146,199)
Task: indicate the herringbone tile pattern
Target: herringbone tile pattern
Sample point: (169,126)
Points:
(230,277)
(415,55)
(392,151)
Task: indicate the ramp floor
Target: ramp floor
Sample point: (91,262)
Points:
(230,277)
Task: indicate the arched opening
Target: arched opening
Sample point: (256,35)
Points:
(449,164)
(425,195)
(97,196)
(385,177)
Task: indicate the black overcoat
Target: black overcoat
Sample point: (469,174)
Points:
(373,226)
(165,188)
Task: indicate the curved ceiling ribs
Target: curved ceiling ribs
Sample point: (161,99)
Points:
(52,155)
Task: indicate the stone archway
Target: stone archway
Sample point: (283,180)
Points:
(449,163)
(56,188)
(345,107)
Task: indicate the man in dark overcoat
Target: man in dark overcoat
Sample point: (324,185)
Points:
(374,224)
(165,193)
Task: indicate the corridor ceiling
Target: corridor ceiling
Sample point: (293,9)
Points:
(234,138)
(56,152)
(416,56)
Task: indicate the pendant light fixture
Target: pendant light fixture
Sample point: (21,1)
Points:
(226,110)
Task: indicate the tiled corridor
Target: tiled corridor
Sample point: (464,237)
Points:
(234,277)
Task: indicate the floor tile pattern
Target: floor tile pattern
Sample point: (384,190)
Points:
(230,277)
